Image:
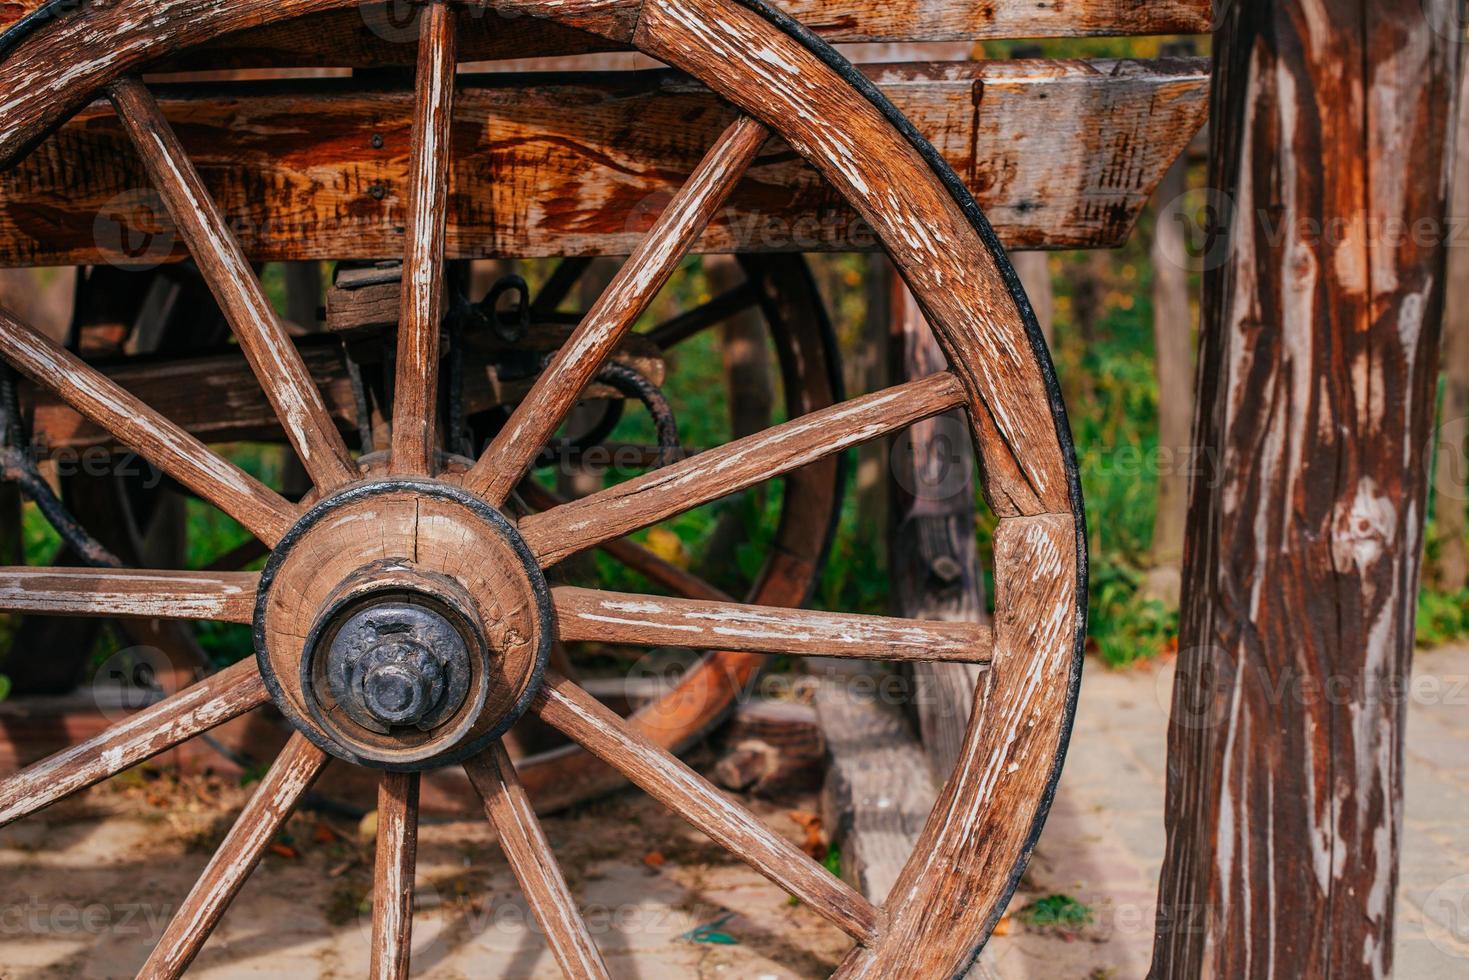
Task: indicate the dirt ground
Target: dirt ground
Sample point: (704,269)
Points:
(90,884)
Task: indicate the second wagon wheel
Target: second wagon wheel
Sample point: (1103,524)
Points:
(420,643)
(799,526)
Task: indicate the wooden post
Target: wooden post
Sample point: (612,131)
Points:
(1450,471)
(935,568)
(1034,270)
(1173,361)
(1318,365)
(1173,355)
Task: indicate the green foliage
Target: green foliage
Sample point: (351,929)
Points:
(1126,625)
(254,773)
(833,860)
(1056,912)
(1442,617)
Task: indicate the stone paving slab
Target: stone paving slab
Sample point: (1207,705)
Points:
(1104,842)
(99,875)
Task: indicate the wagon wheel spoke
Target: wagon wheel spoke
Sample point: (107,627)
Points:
(273,357)
(715,473)
(416,385)
(224,596)
(397,855)
(263,511)
(642,620)
(535,867)
(292,774)
(634,556)
(194,710)
(722,307)
(536,419)
(586,721)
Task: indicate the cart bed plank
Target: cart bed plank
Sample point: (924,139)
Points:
(1061,154)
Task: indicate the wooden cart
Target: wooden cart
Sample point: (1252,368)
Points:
(409,611)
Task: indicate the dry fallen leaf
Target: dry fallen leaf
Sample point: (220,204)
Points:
(284,850)
(654,859)
(815,843)
(323,834)
(668,546)
(1002,928)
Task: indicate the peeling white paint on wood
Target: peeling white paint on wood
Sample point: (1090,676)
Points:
(587,614)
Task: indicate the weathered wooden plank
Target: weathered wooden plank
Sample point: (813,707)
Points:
(1059,153)
(371,34)
(879,788)
(934,560)
(1318,368)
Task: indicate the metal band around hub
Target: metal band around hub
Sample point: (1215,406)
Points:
(403,624)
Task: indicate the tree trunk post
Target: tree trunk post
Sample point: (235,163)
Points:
(1318,368)
(1451,474)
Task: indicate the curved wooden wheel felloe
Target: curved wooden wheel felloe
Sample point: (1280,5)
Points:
(420,643)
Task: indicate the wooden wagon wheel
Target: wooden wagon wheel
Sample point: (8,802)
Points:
(805,350)
(420,643)
(778,287)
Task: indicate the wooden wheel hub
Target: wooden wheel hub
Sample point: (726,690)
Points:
(402,624)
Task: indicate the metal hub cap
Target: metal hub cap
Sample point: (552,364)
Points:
(398,663)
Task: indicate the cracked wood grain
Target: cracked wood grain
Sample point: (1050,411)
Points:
(1318,372)
(224,596)
(715,473)
(644,620)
